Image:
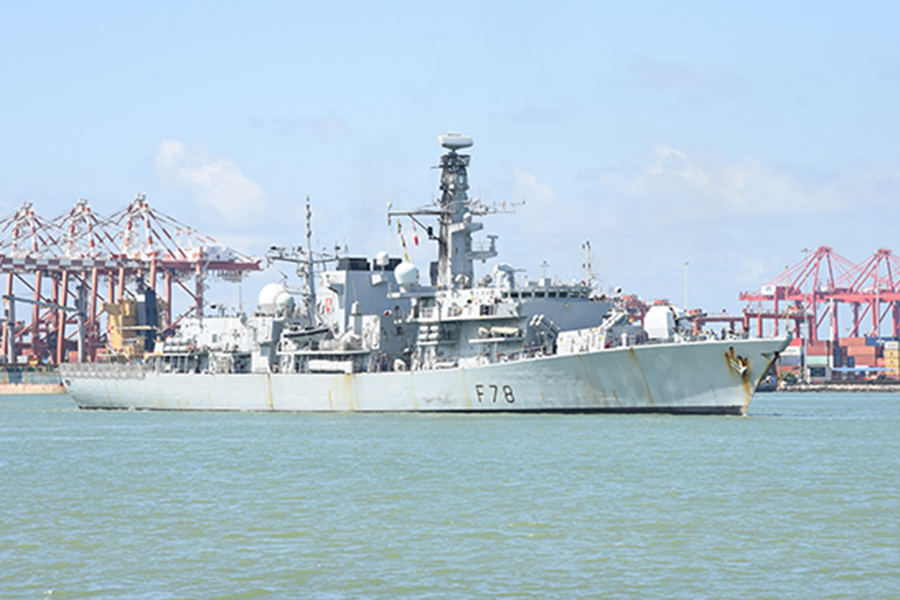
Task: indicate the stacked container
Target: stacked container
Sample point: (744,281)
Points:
(892,358)
(817,363)
(864,352)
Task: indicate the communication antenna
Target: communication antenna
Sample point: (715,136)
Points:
(589,275)
(544,266)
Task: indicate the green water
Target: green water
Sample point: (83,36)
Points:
(801,499)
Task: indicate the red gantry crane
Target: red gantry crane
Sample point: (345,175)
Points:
(68,267)
(811,292)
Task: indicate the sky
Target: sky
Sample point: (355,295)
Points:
(727,135)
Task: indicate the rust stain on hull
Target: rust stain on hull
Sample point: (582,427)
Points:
(640,370)
(593,386)
(352,400)
(467,397)
(742,367)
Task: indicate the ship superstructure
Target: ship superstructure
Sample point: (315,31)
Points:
(370,335)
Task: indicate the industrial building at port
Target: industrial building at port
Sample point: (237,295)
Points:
(86,285)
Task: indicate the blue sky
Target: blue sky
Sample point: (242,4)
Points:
(729,135)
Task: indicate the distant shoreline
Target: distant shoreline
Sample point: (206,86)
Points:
(844,386)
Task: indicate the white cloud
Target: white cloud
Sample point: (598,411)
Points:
(709,187)
(529,188)
(668,76)
(216,183)
(545,212)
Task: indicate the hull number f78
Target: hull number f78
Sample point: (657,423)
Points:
(493,393)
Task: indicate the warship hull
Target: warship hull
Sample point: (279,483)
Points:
(711,377)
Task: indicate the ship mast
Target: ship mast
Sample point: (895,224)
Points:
(455,212)
(306,260)
(309,286)
(589,276)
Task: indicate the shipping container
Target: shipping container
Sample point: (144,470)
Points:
(816,360)
(868,351)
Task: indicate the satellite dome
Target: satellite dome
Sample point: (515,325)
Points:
(268,298)
(284,303)
(406,273)
(382,259)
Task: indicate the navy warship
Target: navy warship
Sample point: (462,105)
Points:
(372,335)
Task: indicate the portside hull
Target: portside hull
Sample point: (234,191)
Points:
(705,377)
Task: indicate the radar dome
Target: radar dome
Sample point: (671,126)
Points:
(382,259)
(268,298)
(284,303)
(406,273)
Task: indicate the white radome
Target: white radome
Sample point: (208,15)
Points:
(406,274)
(268,298)
(284,303)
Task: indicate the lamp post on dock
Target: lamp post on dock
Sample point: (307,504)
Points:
(686,264)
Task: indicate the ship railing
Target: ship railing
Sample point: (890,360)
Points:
(102,370)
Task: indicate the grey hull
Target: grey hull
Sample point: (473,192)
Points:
(712,377)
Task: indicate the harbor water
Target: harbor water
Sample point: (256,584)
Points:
(800,499)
